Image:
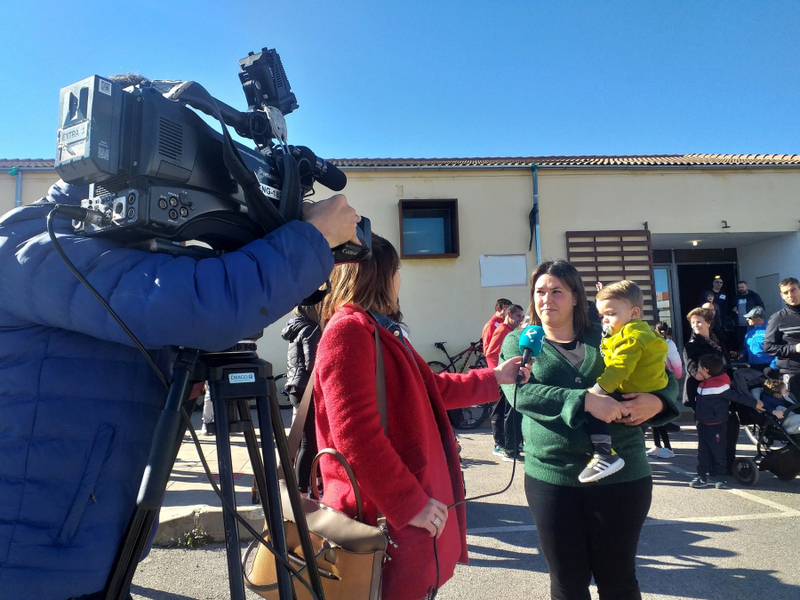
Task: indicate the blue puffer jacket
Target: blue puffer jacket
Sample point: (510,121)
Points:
(78,403)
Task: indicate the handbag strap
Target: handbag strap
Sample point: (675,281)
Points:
(296,432)
(380,382)
(348,469)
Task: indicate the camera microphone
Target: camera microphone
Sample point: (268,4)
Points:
(530,344)
(324,172)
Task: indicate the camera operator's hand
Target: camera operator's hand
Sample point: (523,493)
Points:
(334,218)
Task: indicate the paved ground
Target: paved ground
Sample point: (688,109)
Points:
(735,544)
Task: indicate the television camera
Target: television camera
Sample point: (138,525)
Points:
(158,171)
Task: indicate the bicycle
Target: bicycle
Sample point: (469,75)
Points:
(468,417)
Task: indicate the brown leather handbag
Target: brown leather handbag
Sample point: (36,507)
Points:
(349,553)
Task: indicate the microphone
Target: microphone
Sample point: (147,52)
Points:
(530,344)
(324,172)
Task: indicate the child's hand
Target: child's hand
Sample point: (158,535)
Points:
(778,413)
(759,405)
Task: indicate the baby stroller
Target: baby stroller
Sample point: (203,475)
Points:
(777,444)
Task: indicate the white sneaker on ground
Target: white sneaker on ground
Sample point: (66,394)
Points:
(653,451)
(665,453)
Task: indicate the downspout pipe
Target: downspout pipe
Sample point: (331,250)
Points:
(18,190)
(533,216)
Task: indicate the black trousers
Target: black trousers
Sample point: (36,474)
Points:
(660,434)
(498,417)
(590,531)
(711,449)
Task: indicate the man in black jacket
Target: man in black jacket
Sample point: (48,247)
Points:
(782,338)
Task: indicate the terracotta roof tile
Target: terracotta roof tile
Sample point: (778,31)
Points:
(652,160)
(656,160)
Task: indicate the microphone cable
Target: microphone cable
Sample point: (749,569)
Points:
(434,589)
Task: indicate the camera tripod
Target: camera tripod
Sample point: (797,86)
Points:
(234,377)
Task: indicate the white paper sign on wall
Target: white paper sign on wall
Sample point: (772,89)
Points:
(503,269)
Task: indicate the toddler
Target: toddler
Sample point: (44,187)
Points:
(634,358)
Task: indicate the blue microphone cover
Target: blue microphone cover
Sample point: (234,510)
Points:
(531,340)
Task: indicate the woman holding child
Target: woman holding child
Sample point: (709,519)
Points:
(585,530)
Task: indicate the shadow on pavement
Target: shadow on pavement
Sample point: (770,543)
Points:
(142,592)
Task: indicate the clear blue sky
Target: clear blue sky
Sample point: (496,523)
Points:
(438,78)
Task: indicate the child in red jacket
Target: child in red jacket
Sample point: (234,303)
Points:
(714,395)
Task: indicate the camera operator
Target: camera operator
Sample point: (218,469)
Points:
(79,403)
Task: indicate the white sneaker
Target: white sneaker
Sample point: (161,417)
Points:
(601,465)
(665,453)
(653,451)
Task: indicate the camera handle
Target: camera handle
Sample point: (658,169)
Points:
(260,208)
(234,377)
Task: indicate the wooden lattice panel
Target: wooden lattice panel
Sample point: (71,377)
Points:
(608,256)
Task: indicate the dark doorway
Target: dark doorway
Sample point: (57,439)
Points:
(694,279)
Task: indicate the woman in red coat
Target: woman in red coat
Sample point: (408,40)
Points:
(413,475)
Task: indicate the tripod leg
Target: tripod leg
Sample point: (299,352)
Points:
(252,450)
(291,482)
(232,546)
(163,451)
(274,513)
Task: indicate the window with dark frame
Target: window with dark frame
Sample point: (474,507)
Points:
(429,228)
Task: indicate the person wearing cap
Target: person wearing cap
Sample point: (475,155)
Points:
(753,347)
(746,300)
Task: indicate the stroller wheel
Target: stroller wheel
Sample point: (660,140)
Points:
(745,471)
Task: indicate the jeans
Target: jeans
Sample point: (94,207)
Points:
(591,530)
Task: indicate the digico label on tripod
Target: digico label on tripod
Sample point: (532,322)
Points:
(241,378)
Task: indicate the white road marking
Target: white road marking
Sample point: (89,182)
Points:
(784,512)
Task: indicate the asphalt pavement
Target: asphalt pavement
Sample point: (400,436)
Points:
(734,544)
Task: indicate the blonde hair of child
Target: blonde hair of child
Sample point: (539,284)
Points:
(774,387)
(622,290)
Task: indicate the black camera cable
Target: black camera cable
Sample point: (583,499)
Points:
(77,213)
(434,589)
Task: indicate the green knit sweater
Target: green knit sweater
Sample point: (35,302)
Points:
(557,445)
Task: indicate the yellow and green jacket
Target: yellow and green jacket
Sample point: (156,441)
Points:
(634,359)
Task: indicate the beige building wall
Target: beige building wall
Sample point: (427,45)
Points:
(34,185)
(684,201)
(442,299)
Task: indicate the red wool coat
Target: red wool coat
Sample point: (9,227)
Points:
(418,460)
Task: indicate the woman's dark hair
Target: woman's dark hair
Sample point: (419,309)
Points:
(569,276)
(664,330)
(368,284)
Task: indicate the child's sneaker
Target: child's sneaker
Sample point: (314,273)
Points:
(665,453)
(601,465)
(499,451)
(653,451)
(721,484)
(698,482)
